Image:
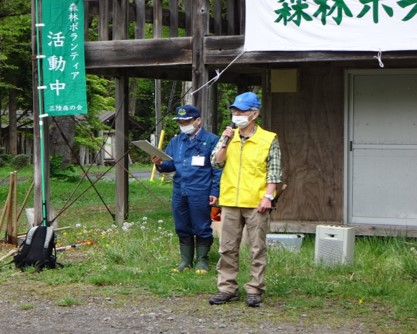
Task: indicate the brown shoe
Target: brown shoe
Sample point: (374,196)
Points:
(223,297)
(253,300)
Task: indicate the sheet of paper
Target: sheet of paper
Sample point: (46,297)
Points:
(151,150)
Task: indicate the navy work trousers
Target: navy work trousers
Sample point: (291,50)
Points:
(192,216)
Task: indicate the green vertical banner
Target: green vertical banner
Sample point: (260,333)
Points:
(63,65)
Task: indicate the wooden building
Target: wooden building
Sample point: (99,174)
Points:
(347,127)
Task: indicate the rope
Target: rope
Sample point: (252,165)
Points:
(218,74)
(379,58)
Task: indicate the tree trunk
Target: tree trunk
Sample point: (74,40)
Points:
(12,122)
(62,143)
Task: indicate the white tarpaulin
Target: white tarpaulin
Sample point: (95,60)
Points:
(333,25)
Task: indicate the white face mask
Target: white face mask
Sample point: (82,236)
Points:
(241,121)
(188,129)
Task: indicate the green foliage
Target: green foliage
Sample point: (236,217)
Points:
(14,162)
(19,161)
(100,98)
(227,94)
(6,157)
(56,170)
(100,95)
(15,51)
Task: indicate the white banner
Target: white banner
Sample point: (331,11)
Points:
(333,25)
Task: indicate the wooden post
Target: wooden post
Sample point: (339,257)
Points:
(160,146)
(120,28)
(157,32)
(103,24)
(11,227)
(140,19)
(231,20)
(199,70)
(188,4)
(217,15)
(173,18)
(5,212)
(213,124)
(24,202)
(14,233)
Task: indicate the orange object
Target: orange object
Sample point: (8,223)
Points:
(215,213)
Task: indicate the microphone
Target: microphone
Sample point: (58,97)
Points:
(227,139)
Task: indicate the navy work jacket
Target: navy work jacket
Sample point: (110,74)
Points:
(189,179)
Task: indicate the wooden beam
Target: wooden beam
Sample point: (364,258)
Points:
(145,52)
(222,50)
(182,73)
(218,51)
(157,72)
(363,230)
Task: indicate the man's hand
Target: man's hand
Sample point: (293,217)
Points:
(264,205)
(212,200)
(157,160)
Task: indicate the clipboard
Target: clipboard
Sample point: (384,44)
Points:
(151,150)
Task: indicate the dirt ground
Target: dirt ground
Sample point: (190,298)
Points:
(28,305)
(28,310)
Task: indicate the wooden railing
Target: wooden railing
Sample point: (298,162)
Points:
(150,19)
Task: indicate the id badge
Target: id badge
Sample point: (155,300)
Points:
(197,160)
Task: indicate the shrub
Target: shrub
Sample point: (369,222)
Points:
(19,161)
(6,157)
(57,170)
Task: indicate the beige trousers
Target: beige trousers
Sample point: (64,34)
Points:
(233,220)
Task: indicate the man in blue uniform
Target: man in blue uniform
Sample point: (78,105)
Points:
(195,188)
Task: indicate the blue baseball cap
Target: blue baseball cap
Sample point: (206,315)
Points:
(186,112)
(246,101)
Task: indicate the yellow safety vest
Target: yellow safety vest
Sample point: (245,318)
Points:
(243,182)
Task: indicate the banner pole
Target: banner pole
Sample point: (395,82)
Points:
(43,189)
(39,56)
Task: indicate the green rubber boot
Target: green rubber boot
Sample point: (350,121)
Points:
(203,248)
(202,265)
(187,256)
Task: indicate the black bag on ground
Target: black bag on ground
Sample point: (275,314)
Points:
(38,249)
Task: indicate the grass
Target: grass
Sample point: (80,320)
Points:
(379,288)
(27,307)
(68,301)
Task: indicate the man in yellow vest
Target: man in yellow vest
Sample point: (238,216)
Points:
(250,157)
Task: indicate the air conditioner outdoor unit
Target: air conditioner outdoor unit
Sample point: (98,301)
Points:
(334,244)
